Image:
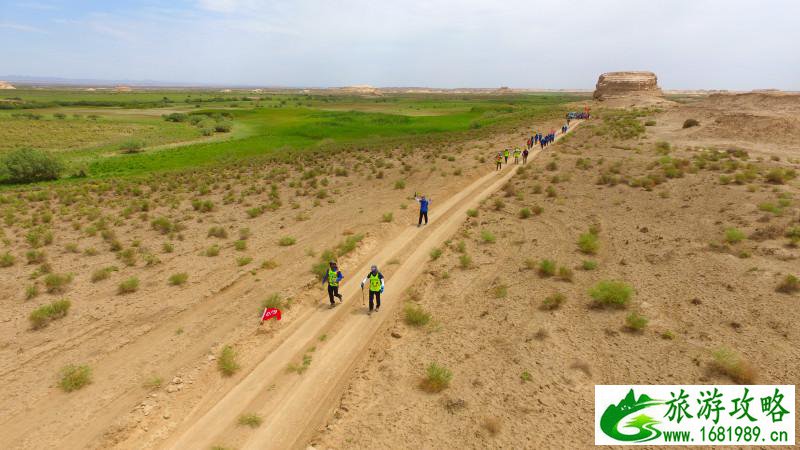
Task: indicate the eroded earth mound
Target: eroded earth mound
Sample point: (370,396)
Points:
(624,84)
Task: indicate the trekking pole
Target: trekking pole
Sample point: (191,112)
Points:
(362,295)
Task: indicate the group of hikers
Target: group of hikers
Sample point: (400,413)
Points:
(374,279)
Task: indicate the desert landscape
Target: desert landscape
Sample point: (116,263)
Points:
(581,223)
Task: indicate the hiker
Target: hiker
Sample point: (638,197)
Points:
(524,156)
(376,286)
(423,208)
(505,155)
(516,155)
(333,277)
(499,160)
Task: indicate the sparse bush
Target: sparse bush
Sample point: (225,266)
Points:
(524,213)
(102,274)
(472,213)
(217,232)
(56,283)
(789,285)
(614,293)
(251,420)
(243,261)
(488,237)
(128,286)
(178,279)
(240,245)
(435,254)
(553,302)
(547,268)
(415,316)
(588,243)
(202,205)
(212,251)
(7,260)
(734,235)
(526,376)
(499,204)
(287,241)
(565,274)
(635,322)
(465,261)
(727,362)
(500,291)
(589,265)
(387,217)
(45,314)
(74,377)
(162,225)
(688,123)
(399,184)
(650,123)
(30,166)
(131,146)
(226,362)
(273,301)
(437,378)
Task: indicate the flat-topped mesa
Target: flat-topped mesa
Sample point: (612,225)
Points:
(624,84)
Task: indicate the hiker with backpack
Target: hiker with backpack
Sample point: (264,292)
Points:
(376,286)
(517,153)
(525,156)
(333,276)
(505,155)
(499,161)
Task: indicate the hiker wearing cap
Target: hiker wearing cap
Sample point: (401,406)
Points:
(499,160)
(423,208)
(333,276)
(505,155)
(376,286)
(525,156)
(517,153)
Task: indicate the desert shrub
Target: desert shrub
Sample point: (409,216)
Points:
(770,207)
(614,293)
(56,283)
(269,264)
(488,237)
(688,123)
(102,274)
(435,254)
(74,377)
(526,376)
(635,322)
(243,261)
(465,261)
(222,127)
(524,213)
(415,316)
(472,213)
(437,378)
(734,235)
(226,362)
(127,256)
(547,268)
(131,146)
(7,260)
(30,166)
(387,217)
(588,243)
(500,291)
(128,286)
(553,302)
(551,191)
(780,176)
(217,232)
(273,301)
(729,363)
(31,292)
(399,184)
(790,284)
(212,251)
(565,274)
(44,314)
(202,205)
(650,123)
(537,210)
(498,204)
(251,420)
(287,241)
(178,279)
(162,225)
(240,245)
(255,212)
(589,265)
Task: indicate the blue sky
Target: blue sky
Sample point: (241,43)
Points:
(709,44)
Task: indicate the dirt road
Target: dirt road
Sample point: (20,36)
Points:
(293,406)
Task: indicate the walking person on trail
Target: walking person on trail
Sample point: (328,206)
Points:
(376,286)
(516,155)
(524,156)
(423,208)
(505,155)
(499,160)
(333,277)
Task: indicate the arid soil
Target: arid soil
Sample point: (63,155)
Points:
(524,375)
(152,352)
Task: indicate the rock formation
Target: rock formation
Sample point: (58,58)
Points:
(6,85)
(625,84)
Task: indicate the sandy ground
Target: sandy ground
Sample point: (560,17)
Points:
(174,333)
(698,294)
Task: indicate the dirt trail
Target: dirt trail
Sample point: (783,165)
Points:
(293,406)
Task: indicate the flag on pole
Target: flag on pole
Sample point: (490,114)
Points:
(269,313)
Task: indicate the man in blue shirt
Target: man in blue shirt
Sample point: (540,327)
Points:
(333,276)
(423,209)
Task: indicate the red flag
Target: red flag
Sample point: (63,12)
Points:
(269,313)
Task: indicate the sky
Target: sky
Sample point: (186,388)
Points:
(689,44)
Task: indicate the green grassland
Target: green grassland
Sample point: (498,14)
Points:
(86,129)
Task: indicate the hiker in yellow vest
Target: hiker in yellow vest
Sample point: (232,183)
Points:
(517,152)
(376,285)
(505,155)
(333,276)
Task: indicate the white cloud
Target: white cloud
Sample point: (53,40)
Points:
(20,27)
